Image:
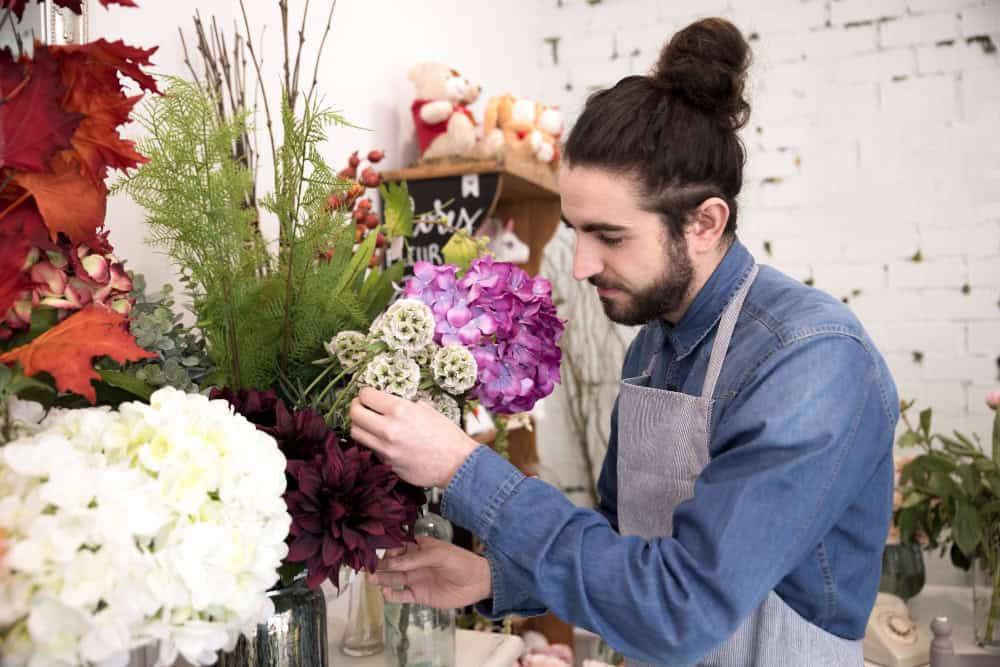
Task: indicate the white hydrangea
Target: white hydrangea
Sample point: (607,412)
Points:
(349,347)
(394,373)
(454,369)
(157,522)
(407,326)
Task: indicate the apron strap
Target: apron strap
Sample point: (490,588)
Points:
(726,326)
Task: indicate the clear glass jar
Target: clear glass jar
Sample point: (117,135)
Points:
(415,635)
(365,632)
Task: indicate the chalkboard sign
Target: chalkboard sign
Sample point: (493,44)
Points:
(465,201)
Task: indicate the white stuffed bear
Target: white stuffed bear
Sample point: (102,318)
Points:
(445,126)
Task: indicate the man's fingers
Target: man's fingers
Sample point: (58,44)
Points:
(378,401)
(389,578)
(424,554)
(365,419)
(366,438)
(399,596)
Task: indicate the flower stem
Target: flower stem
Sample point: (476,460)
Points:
(994,612)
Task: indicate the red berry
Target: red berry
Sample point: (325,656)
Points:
(334,202)
(376,258)
(358,234)
(348,172)
(375,156)
(370,177)
(354,160)
(358,216)
(365,204)
(371,221)
(380,240)
(356,191)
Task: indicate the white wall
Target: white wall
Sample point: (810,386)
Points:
(363,70)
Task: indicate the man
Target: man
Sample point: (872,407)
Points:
(747,489)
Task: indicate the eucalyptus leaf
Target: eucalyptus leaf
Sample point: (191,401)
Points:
(925,421)
(908,439)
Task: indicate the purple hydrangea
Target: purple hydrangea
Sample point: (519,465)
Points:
(507,320)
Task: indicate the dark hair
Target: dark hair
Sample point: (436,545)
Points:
(675,130)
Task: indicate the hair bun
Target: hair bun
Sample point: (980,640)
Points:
(706,64)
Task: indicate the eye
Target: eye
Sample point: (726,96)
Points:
(609,240)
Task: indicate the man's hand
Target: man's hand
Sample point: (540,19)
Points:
(423,446)
(434,573)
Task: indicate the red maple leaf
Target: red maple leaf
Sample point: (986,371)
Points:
(19,231)
(33,125)
(67,350)
(69,201)
(103,57)
(95,90)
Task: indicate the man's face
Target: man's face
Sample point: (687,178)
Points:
(626,252)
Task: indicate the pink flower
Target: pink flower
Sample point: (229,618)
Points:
(993,399)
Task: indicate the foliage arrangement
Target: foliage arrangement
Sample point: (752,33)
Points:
(63,295)
(950,497)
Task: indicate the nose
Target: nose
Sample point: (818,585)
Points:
(586,262)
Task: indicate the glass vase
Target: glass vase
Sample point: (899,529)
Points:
(986,600)
(365,632)
(902,570)
(415,635)
(293,636)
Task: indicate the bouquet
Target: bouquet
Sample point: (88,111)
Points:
(160,522)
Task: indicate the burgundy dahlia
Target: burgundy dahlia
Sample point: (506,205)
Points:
(345,503)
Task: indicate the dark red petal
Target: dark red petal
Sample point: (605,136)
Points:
(302,548)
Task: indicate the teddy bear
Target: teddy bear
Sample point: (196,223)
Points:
(528,128)
(445,126)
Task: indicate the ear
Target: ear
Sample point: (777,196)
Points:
(708,222)
(509,225)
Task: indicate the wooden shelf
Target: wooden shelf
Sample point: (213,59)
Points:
(523,178)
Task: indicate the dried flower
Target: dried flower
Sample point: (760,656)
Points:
(407,326)
(350,348)
(993,399)
(447,406)
(393,372)
(454,369)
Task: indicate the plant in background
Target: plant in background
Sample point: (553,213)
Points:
(951,497)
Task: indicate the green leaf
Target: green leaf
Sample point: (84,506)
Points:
(906,520)
(942,485)
(925,421)
(127,382)
(460,250)
(937,463)
(908,439)
(959,559)
(397,210)
(992,507)
(966,529)
(914,498)
(970,479)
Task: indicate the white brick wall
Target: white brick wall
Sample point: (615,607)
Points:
(873,137)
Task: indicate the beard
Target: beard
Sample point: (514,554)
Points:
(663,295)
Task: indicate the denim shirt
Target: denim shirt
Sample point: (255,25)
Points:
(797,496)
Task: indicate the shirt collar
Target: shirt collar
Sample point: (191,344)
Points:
(707,307)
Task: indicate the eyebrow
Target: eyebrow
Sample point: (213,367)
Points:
(594,226)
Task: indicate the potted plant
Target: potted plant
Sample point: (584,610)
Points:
(950,494)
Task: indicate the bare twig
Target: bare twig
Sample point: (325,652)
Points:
(187,59)
(260,81)
(298,57)
(7,18)
(283,6)
(319,52)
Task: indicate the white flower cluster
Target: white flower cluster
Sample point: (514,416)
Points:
(411,365)
(393,372)
(407,326)
(454,368)
(349,347)
(161,522)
